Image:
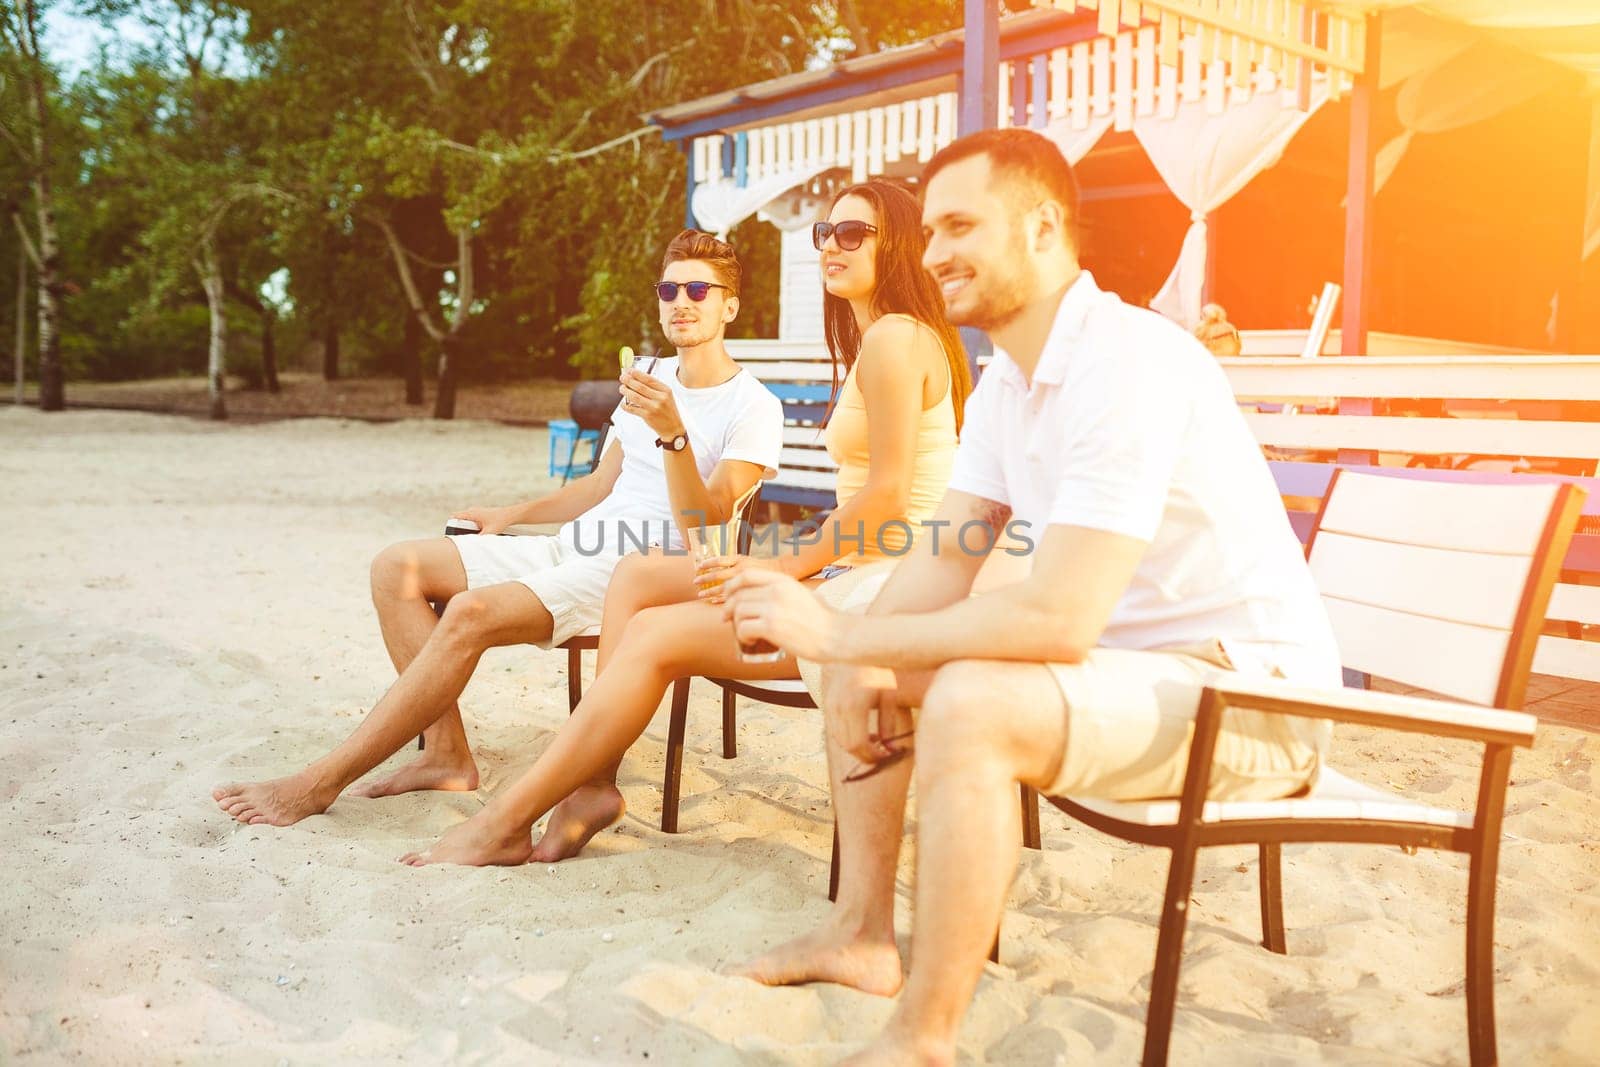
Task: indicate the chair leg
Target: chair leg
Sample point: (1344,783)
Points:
(833,866)
(730,725)
(669,789)
(438,609)
(1482,870)
(1272,898)
(1169,955)
(574,678)
(1030,818)
(1480,958)
(572,452)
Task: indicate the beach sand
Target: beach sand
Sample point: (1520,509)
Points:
(186,604)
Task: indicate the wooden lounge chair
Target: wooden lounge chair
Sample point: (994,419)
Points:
(1442,586)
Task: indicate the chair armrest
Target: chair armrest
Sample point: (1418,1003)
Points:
(1441,718)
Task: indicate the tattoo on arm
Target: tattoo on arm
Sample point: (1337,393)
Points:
(994,515)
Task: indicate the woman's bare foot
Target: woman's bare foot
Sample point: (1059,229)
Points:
(451,772)
(275,802)
(586,811)
(478,842)
(829,955)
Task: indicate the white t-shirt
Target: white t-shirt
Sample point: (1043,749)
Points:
(738,419)
(1130,426)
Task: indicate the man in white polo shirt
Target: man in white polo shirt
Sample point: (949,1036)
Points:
(691,436)
(1161,554)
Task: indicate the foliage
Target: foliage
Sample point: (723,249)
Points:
(493,148)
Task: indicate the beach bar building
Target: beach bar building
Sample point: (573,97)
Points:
(1439,160)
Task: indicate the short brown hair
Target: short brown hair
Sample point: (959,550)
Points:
(719,255)
(1017,154)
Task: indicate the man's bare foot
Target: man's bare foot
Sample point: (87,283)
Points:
(828,955)
(477,843)
(275,802)
(893,1050)
(586,811)
(449,772)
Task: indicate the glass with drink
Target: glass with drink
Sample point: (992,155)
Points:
(707,543)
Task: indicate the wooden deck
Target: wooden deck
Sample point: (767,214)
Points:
(1558,701)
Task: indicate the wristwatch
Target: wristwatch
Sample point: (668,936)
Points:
(675,443)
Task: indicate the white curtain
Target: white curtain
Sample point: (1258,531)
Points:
(1205,160)
(1471,86)
(721,205)
(1075,144)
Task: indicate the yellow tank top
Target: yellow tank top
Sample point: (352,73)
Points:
(846,441)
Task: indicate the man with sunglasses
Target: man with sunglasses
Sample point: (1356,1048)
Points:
(1163,556)
(692,434)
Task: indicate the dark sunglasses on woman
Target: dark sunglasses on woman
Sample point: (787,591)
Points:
(668,291)
(849,233)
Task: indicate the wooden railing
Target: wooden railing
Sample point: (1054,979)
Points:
(1487,419)
(1462,418)
(800,373)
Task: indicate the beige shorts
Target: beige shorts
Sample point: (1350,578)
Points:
(572,586)
(1130,719)
(853,593)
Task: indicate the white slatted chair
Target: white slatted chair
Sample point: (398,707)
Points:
(1438,585)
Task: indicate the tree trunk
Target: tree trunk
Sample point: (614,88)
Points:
(51,392)
(444,401)
(411,360)
(330,351)
(22,321)
(216,301)
(269,349)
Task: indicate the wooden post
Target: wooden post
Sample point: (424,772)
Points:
(980,67)
(22,320)
(689,221)
(1358,209)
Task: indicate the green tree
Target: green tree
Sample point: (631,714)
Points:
(30,134)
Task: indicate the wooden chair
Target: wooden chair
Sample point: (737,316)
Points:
(589,640)
(1438,585)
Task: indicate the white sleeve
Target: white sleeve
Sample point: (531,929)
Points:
(978,468)
(756,433)
(1126,428)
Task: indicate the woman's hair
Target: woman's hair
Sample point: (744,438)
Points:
(718,255)
(902,287)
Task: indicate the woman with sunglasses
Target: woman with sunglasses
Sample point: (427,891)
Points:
(903,380)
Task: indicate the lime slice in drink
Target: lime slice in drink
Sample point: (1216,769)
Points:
(625,357)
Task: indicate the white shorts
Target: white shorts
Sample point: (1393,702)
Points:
(1130,717)
(571,586)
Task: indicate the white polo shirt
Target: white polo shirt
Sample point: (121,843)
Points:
(1130,426)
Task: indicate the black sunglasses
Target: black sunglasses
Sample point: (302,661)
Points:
(668,291)
(849,233)
(867,770)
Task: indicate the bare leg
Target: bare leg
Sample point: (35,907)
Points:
(658,645)
(984,727)
(855,944)
(639,582)
(405,578)
(473,622)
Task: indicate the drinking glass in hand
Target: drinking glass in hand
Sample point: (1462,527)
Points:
(707,543)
